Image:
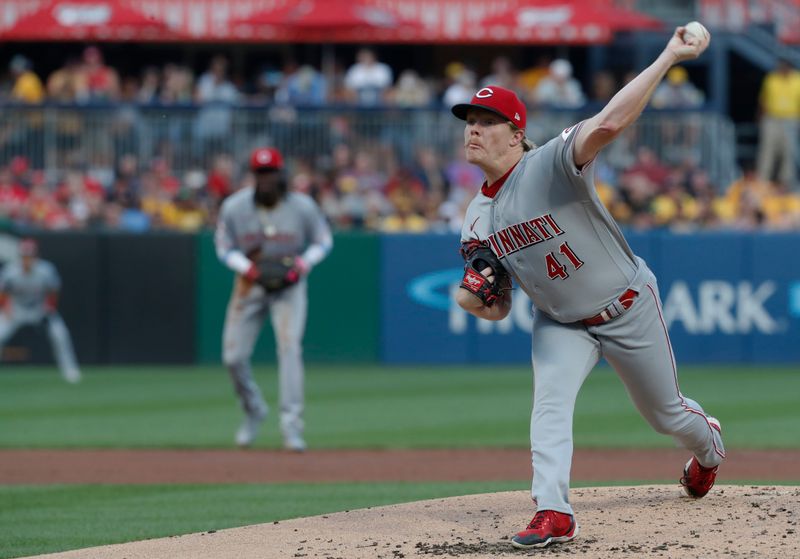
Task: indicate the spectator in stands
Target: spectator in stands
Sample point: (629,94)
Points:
(68,84)
(428,169)
(164,177)
(461,84)
(27,86)
(214,85)
(44,210)
(303,86)
(25,133)
(559,89)
(744,194)
(604,87)
(149,89)
(779,111)
(502,74)
(83,198)
(13,196)
(269,79)
(368,79)
(406,194)
(102,80)
(677,92)
(530,78)
(779,207)
(648,166)
(21,172)
(214,89)
(177,85)
(125,188)
(410,91)
(221,178)
(674,207)
(186,212)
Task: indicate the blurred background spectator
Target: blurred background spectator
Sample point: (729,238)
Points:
(677,92)
(779,110)
(559,89)
(368,79)
(27,87)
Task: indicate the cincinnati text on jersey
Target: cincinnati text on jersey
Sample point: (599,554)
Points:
(522,235)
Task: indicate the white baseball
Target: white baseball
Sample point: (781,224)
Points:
(698,30)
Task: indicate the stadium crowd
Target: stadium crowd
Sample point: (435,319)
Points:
(358,186)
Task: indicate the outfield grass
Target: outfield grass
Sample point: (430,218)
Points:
(373,407)
(348,407)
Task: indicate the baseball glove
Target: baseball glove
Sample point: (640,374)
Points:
(275,274)
(478,256)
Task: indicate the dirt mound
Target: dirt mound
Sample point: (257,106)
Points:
(641,521)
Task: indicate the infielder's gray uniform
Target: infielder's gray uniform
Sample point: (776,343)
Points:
(295,227)
(552,233)
(27,293)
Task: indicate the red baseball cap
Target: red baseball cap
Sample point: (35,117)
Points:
(497,100)
(266,158)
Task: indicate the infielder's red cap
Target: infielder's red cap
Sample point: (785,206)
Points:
(28,247)
(266,158)
(497,100)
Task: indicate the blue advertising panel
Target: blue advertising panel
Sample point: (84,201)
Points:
(421,323)
(727,298)
(770,310)
(700,278)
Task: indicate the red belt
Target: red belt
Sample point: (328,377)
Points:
(611,312)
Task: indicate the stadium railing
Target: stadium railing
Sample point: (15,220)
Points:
(59,137)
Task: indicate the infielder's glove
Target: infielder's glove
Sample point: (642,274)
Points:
(275,274)
(478,256)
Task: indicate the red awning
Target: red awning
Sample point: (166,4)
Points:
(561,21)
(326,21)
(87,20)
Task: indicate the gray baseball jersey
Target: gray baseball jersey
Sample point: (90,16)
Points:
(28,292)
(295,227)
(552,233)
(593,298)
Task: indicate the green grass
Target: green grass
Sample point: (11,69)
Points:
(57,518)
(373,407)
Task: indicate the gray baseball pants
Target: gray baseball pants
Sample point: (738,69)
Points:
(57,331)
(636,344)
(247,310)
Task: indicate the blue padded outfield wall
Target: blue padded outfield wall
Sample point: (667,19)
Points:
(728,298)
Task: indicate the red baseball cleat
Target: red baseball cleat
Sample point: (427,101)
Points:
(548,526)
(697,480)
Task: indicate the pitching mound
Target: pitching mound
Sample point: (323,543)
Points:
(651,521)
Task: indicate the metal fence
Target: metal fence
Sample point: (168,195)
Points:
(56,138)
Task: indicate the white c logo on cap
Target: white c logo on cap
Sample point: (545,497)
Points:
(484,93)
(264,157)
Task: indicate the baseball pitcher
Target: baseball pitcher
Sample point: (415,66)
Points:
(29,291)
(538,219)
(271,239)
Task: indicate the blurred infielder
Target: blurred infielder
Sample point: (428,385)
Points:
(29,291)
(271,238)
(539,219)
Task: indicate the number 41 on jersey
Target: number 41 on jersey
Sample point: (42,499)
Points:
(555,269)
